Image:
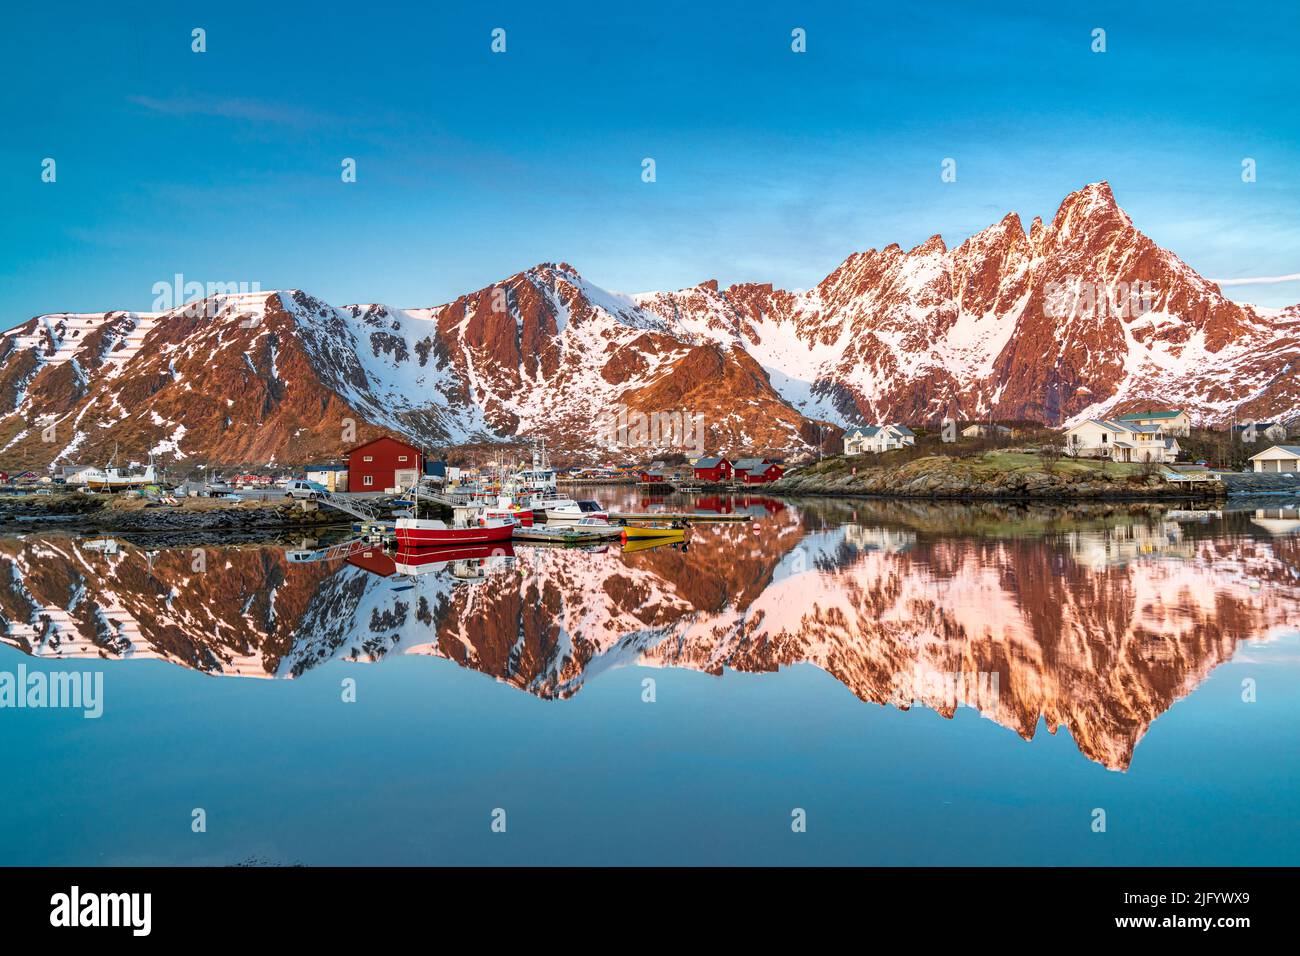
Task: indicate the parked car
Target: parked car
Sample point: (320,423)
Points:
(305,489)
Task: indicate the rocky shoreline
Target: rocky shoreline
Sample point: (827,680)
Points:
(943,478)
(123,514)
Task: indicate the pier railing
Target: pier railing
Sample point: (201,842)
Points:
(348,505)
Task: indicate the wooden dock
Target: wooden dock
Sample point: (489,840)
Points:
(566,534)
(676,516)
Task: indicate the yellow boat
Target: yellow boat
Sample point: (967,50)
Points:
(649,544)
(643,532)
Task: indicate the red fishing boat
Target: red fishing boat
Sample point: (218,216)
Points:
(432,533)
(470,524)
(505,508)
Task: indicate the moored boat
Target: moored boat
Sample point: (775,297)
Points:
(646,532)
(576,512)
(591,529)
(110,478)
(432,532)
(469,525)
(507,507)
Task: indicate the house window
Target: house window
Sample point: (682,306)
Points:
(401,458)
(368,480)
(368,458)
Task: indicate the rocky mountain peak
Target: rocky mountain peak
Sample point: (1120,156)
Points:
(1043,326)
(1090,211)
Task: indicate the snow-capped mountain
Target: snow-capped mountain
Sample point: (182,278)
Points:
(1072,319)
(1076,317)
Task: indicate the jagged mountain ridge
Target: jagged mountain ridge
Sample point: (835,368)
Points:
(1008,323)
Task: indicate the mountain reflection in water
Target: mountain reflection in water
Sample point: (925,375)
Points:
(1093,619)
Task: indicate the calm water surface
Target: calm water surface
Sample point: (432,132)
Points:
(928,684)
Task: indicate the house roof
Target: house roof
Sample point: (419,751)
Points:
(327,468)
(1114,425)
(1162,415)
(1292,450)
(748,464)
(373,441)
(758,472)
(871,431)
(708,462)
(1106,424)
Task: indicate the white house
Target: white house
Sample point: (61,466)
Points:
(875,438)
(985,430)
(1257,431)
(1171,422)
(1120,441)
(1279,458)
(333,477)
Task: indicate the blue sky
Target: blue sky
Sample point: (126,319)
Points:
(771,166)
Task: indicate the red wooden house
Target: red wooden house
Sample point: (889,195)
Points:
(383,463)
(713,469)
(757,471)
(761,474)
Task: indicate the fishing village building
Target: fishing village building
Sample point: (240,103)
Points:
(1120,441)
(1279,458)
(383,464)
(877,438)
(713,469)
(1171,421)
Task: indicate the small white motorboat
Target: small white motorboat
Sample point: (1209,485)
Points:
(575,513)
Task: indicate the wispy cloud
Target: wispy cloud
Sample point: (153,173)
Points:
(1258,280)
(234,108)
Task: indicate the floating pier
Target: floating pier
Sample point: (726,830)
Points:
(676,516)
(568,534)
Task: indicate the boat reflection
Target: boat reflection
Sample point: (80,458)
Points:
(469,563)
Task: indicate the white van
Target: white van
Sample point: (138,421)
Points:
(304,489)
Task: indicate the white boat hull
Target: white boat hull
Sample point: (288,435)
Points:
(564,516)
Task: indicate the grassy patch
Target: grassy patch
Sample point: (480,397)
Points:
(981,465)
(1024,461)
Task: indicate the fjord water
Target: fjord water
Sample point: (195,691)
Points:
(920,683)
